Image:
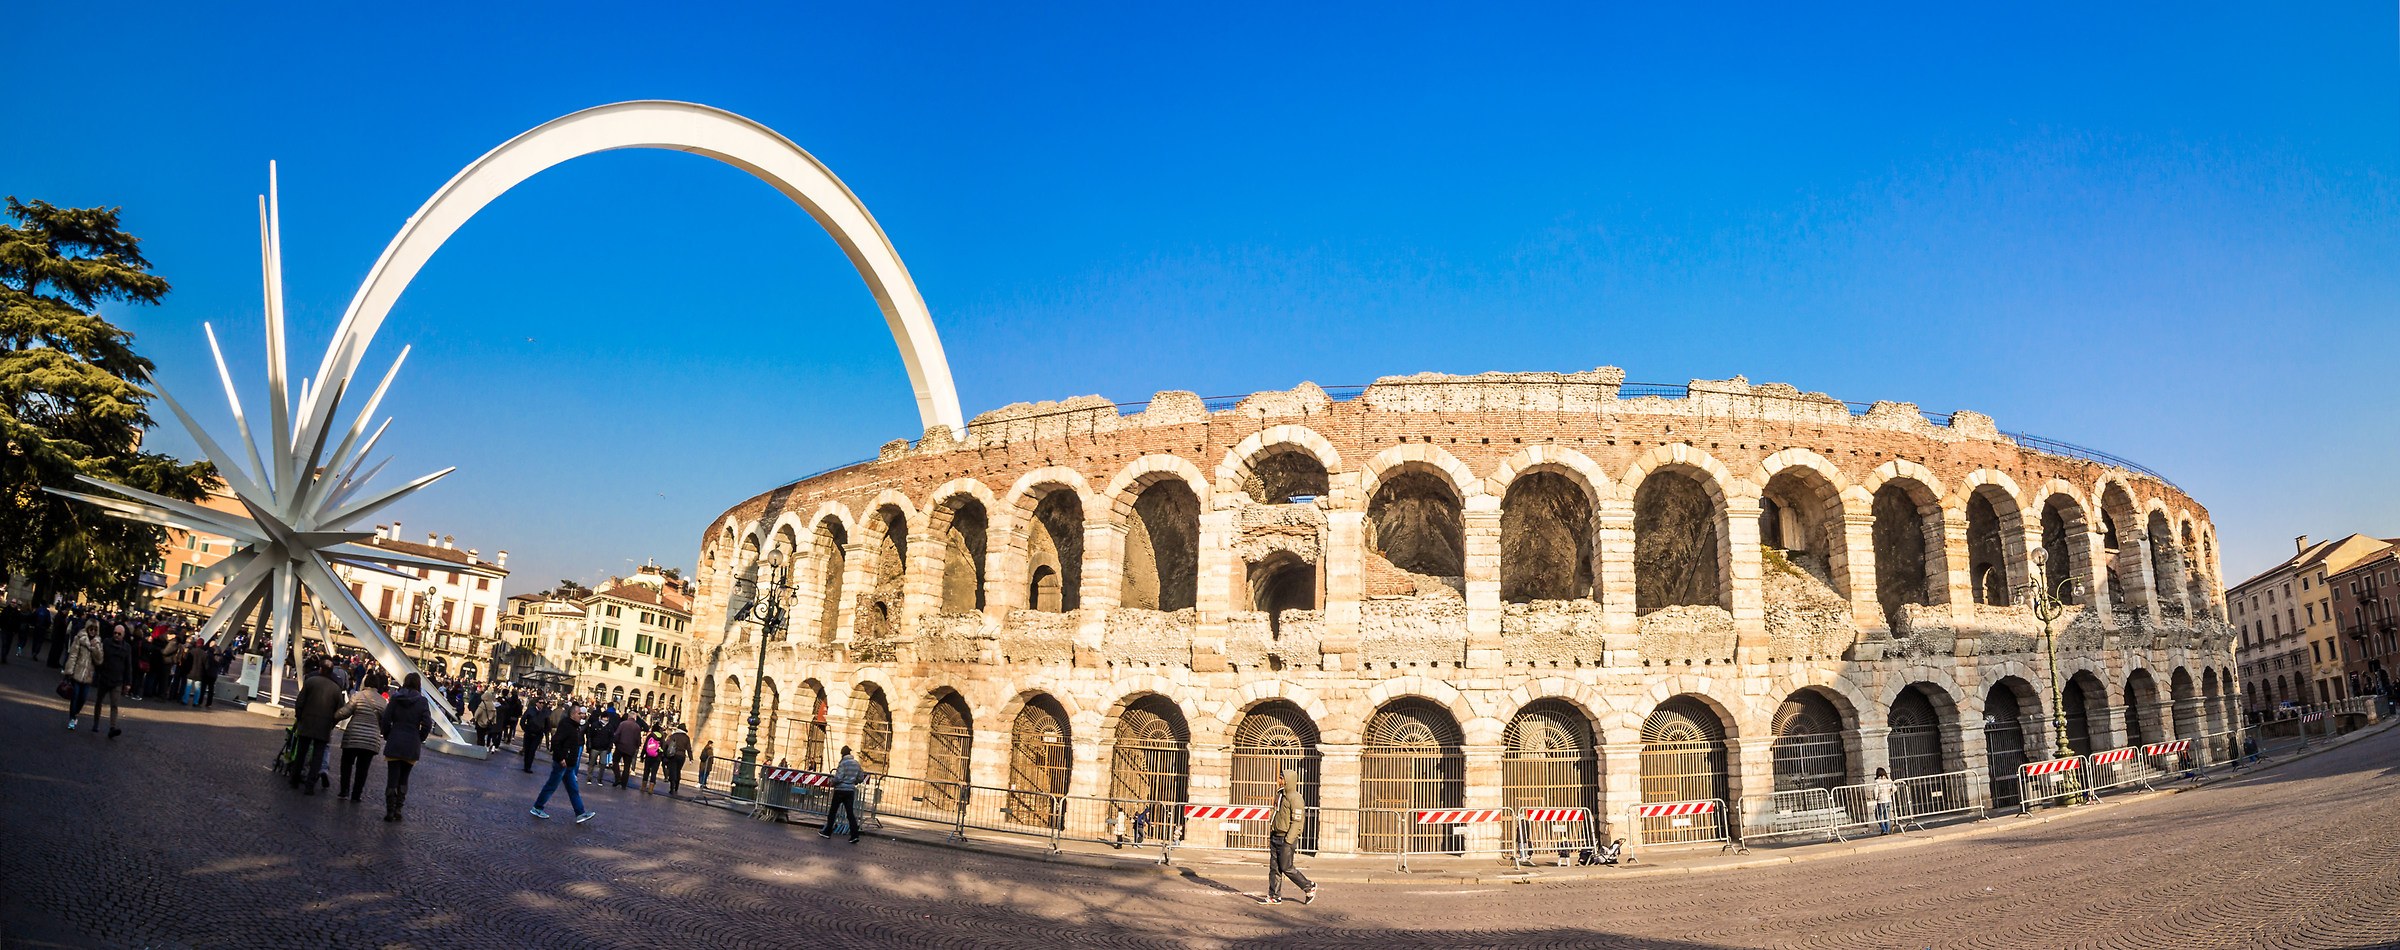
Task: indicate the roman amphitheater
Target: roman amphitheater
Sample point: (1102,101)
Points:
(1550,589)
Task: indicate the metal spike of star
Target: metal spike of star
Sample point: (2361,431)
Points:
(302,502)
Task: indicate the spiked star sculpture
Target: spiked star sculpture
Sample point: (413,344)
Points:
(303,504)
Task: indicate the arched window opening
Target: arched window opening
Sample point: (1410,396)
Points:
(1149,768)
(874,730)
(1162,548)
(1414,522)
(1899,535)
(2004,741)
(1548,759)
(1545,540)
(2082,692)
(1675,556)
(1413,758)
(830,558)
(872,642)
(1272,737)
(1056,543)
(1279,478)
(2058,559)
(1043,593)
(2141,696)
(1683,759)
(1808,746)
(1282,582)
(962,557)
(1915,741)
(1987,552)
(1041,756)
(1770,523)
(2166,569)
(950,738)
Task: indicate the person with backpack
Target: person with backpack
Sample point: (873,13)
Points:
(652,748)
(629,746)
(846,777)
(708,758)
(566,752)
(678,747)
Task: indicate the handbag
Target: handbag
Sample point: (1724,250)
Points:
(66,687)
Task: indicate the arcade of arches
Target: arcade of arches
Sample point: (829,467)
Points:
(1467,591)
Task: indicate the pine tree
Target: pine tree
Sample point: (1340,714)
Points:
(71,402)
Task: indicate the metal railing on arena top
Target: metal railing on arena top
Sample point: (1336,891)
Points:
(2042,444)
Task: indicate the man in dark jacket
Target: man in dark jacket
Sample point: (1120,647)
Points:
(511,708)
(115,670)
(537,725)
(599,736)
(312,724)
(678,748)
(407,719)
(566,752)
(629,745)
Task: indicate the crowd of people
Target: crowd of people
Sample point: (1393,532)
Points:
(105,657)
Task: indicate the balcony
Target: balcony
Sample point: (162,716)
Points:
(611,654)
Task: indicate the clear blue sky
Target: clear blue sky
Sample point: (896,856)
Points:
(2167,232)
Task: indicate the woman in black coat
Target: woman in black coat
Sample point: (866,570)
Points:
(407,720)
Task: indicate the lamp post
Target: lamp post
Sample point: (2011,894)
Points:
(770,600)
(2050,600)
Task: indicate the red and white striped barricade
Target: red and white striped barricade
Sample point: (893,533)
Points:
(1437,826)
(1564,830)
(2048,779)
(2309,717)
(1230,820)
(1700,821)
(800,777)
(2177,754)
(2116,768)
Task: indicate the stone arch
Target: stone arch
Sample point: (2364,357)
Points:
(1429,689)
(1549,538)
(2085,692)
(1412,754)
(1416,504)
(1908,538)
(1150,740)
(1807,740)
(2166,566)
(1550,756)
(1801,516)
(1685,743)
(2014,726)
(871,719)
(1045,539)
(677,126)
(880,620)
(1266,736)
(2185,693)
(828,566)
(2121,569)
(1996,557)
(1923,738)
(958,515)
(949,743)
(1156,501)
(2141,703)
(1239,466)
(2065,528)
(1682,550)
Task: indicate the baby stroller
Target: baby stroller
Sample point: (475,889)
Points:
(287,764)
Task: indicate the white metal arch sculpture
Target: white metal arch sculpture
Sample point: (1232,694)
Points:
(682,127)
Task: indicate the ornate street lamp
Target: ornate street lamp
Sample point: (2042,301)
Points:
(770,602)
(2050,600)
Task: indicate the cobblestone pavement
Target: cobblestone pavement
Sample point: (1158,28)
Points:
(172,836)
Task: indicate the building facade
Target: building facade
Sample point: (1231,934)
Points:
(544,630)
(448,620)
(636,633)
(188,553)
(1482,591)
(2289,640)
(2364,597)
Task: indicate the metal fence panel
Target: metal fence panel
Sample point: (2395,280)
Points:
(1795,813)
(1701,821)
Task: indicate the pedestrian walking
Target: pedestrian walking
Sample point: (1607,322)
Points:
(487,724)
(313,716)
(82,666)
(628,737)
(678,748)
(1116,827)
(1282,824)
(708,757)
(653,748)
(204,671)
(846,777)
(598,739)
(1885,790)
(177,670)
(407,720)
(362,738)
(115,671)
(566,752)
(536,726)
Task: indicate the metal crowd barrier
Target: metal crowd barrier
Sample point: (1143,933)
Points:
(2042,781)
(1797,812)
(1454,823)
(1033,814)
(1700,821)
(1914,800)
(785,793)
(1088,819)
(2118,768)
(1567,831)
